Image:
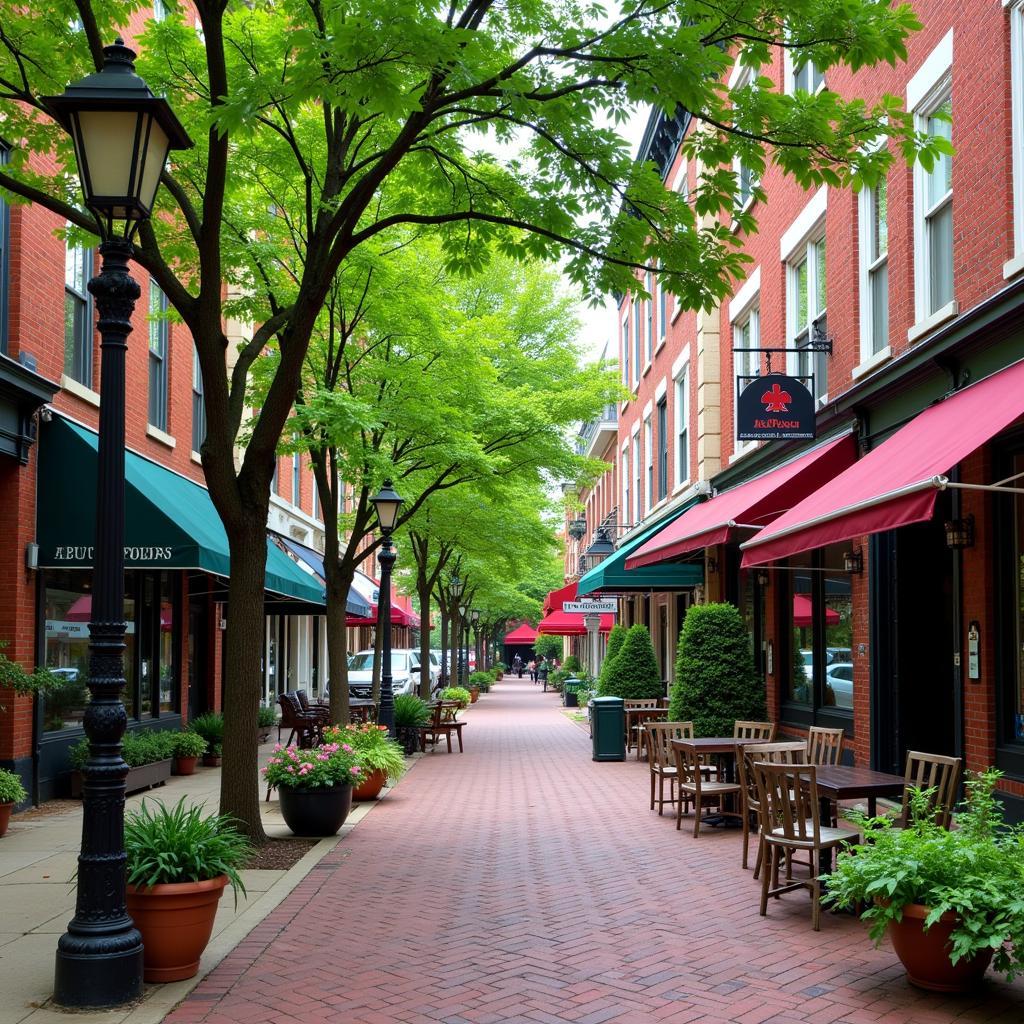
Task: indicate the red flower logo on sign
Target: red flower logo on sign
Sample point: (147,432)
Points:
(776,400)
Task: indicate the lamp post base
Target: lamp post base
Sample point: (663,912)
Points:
(96,971)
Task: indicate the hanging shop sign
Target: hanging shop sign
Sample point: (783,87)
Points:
(590,607)
(775,407)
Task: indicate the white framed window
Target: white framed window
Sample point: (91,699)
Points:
(746,179)
(638,333)
(682,425)
(1015,11)
(625,351)
(806,314)
(316,495)
(158,332)
(662,310)
(624,473)
(649,307)
(746,334)
(296,479)
(637,469)
(929,97)
(873,213)
(78,330)
(159,10)
(649,458)
(198,404)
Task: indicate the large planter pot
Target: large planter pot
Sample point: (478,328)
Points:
(143,776)
(409,737)
(5,817)
(176,922)
(211,760)
(474,694)
(925,954)
(370,787)
(185,765)
(315,812)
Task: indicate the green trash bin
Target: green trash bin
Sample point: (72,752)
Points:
(608,728)
(569,698)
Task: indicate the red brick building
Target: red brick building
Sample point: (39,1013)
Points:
(898,619)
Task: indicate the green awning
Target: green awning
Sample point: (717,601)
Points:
(611,575)
(170,521)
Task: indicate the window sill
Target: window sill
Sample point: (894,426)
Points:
(1011,268)
(680,487)
(929,323)
(647,369)
(871,363)
(739,453)
(677,308)
(196,458)
(73,387)
(159,435)
(661,344)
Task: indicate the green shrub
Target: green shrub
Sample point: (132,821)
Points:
(377,752)
(137,748)
(572,664)
(211,727)
(458,693)
(716,683)
(179,844)
(11,789)
(188,744)
(556,679)
(480,678)
(266,717)
(615,640)
(633,674)
(410,711)
(548,646)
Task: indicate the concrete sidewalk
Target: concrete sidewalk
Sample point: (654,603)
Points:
(38,859)
(523,883)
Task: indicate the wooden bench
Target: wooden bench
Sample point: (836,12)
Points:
(442,723)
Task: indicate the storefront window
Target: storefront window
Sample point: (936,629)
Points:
(838,598)
(168,689)
(800,689)
(1018,696)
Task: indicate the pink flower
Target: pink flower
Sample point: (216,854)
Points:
(277,747)
(355,770)
(346,748)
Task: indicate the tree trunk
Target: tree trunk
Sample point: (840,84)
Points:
(243,646)
(445,663)
(424,595)
(337,638)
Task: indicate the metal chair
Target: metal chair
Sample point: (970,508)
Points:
(788,795)
(661,758)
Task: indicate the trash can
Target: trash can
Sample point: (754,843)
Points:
(608,728)
(569,698)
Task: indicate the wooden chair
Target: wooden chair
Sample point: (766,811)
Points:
(824,746)
(322,712)
(934,772)
(789,752)
(661,758)
(305,725)
(788,794)
(760,732)
(635,729)
(441,723)
(696,788)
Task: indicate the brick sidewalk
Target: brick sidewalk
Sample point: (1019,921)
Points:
(521,882)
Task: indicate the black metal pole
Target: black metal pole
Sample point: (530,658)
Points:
(386,712)
(99,957)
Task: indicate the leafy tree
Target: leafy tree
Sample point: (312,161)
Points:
(715,679)
(323,125)
(547,646)
(615,640)
(633,674)
(571,664)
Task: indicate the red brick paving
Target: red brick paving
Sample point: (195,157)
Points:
(522,882)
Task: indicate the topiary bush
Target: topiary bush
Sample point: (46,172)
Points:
(633,674)
(615,641)
(716,683)
(571,664)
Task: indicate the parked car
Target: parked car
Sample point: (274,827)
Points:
(839,676)
(405,672)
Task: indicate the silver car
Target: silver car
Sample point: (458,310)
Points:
(405,672)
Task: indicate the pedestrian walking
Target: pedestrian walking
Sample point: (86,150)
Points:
(533,670)
(517,666)
(542,671)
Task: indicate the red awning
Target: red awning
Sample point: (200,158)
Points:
(560,623)
(896,483)
(401,613)
(802,612)
(524,634)
(752,504)
(556,598)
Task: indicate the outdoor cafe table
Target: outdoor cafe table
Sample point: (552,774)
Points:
(845,782)
(361,709)
(637,716)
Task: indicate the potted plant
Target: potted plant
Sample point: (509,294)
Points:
(178,863)
(950,899)
(11,792)
(479,682)
(457,693)
(410,714)
(266,719)
(148,755)
(210,726)
(382,758)
(189,746)
(314,785)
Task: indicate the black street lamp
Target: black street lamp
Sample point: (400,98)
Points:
(122,134)
(463,643)
(455,586)
(387,503)
(475,616)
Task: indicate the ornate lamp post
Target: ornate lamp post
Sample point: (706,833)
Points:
(463,643)
(475,616)
(122,134)
(387,503)
(455,586)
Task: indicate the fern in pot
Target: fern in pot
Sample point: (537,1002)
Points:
(179,862)
(211,727)
(410,714)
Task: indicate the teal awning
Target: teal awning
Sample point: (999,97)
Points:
(170,521)
(613,576)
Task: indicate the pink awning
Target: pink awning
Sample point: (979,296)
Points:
(556,598)
(754,503)
(402,613)
(803,609)
(524,634)
(896,483)
(560,623)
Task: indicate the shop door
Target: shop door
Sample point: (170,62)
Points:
(197,658)
(918,706)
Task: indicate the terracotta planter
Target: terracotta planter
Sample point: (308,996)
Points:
(211,760)
(370,787)
(185,765)
(925,954)
(5,817)
(315,812)
(474,694)
(176,922)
